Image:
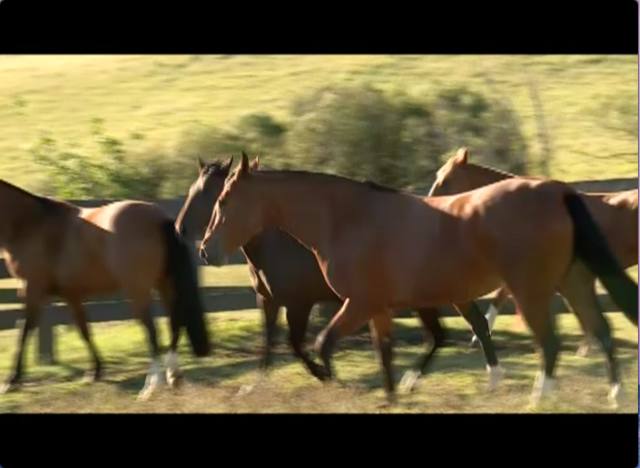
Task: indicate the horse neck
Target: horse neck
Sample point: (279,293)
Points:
(23,212)
(302,206)
(481,176)
(19,210)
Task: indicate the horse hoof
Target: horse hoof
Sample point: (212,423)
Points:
(146,393)
(474,342)
(91,378)
(583,350)
(319,373)
(245,390)
(9,387)
(496,373)
(616,396)
(391,401)
(542,387)
(151,385)
(409,381)
(174,379)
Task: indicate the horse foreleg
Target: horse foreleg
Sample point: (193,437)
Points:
(173,374)
(80,318)
(298,319)
(270,311)
(480,327)
(351,316)
(492,312)
(32,313)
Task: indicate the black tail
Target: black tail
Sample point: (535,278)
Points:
(592,248)
(187,307)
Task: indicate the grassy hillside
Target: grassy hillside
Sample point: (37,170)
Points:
(589,102)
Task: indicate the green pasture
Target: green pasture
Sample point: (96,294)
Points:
(148,101)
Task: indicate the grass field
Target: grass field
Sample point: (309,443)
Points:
(456,383)
(150,100)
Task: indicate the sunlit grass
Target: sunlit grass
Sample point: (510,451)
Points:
(456,382)
(159,96)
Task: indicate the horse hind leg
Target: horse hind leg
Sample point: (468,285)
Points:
(432,328)
(80,317)
(173,374)
(381,325)
(537,313)
(142,310)
(579,292)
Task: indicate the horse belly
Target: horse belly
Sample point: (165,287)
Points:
(445,284)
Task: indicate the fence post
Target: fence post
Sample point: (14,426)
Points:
(46,340)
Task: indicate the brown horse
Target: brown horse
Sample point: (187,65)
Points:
(283,272)
(526,234)
(615,213)
(59,249)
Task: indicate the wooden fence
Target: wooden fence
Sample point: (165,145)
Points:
(217,299)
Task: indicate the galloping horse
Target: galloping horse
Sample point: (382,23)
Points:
(59,249)
(283,272)
(615,213)
(526,234)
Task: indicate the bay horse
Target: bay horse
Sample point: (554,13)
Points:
(283,272)
(524,233)
(615,213)
(59,249)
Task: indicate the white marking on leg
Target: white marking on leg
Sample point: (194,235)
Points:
(542,386)
(586,345)
(491,315)
(153,380)
(495,376)
(173,372)
(474,341)
(616,395)
(408,381)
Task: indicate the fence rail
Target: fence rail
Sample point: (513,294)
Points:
(220,299)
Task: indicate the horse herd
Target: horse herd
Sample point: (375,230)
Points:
(311,237)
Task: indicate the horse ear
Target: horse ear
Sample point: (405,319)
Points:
(226,166)
(201,163)
(461,156)
(244,164)
(255,163)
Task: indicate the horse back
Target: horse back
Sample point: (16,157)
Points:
(119,245)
